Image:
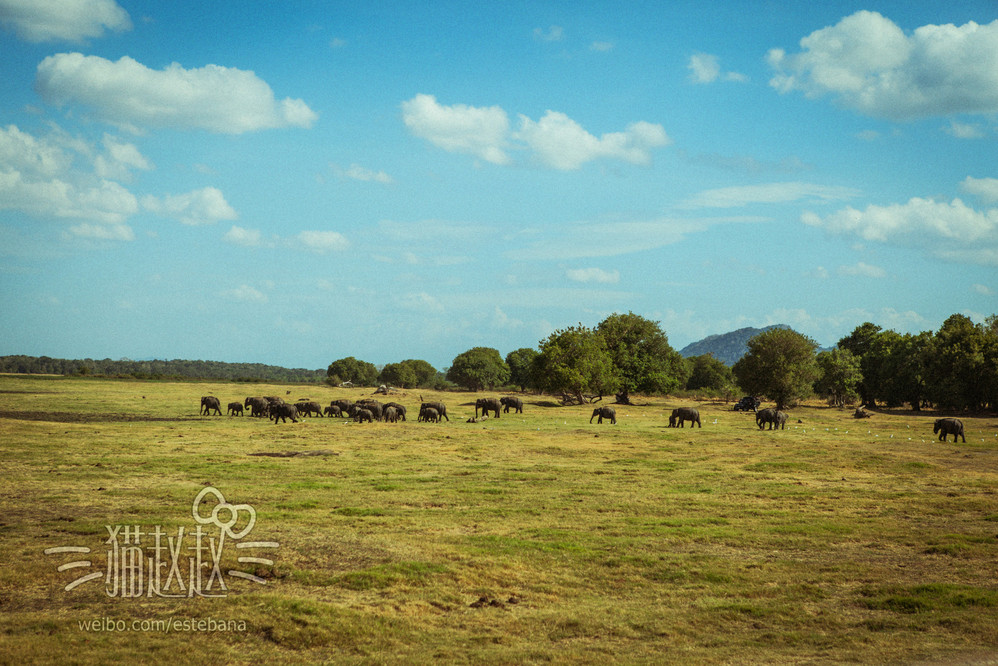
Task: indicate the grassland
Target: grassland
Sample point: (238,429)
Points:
(525,539)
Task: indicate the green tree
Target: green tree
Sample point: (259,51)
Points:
(706,372)
(840,375)
(350,369)
(397,374)
(478,369)
(520,362)
(779,364)
(959,364)
(426,374)
(575,361)
(861,343)
(642,357)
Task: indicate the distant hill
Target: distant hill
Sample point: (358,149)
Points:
(726,347)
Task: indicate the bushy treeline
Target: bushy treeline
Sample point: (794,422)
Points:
(176,369)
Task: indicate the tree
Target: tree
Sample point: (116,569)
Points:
(706,372)
(479,368)
(861,343)
(840,375)
(642,357)
(426,374)
(397,374)
(520,362)
(350,369)
(780,364)
(575,361)
(961,376)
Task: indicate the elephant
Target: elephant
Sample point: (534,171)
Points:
(390,415)
(333,410)
(308,407)
(604,413)
(361,415)
(208,403)
(439,406)
(399,409)
(774,418)
(257,406)
(946,427)
(681,415)
(487,405)
(344,405)
(282,412)
(235,408)
(511,403)
(429,414)
(373,406)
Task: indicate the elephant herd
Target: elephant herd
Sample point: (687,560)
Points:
(368,410)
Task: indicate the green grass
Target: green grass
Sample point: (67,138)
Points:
(831,541)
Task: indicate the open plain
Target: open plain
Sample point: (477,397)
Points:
(535,537)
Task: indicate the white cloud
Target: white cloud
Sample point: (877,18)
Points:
(479,131)
(553,34)
(323,241)
(964,130)
(246,294)
(863,270)
(242,237)
(119,232)
(561,143)
(706,68)
(357,172)
(555,140)
(951,230)
(985,188)
(982,289)
(203,206)
(129,95)
(869,64)
(768,193)
(593,275)
(601,47)
(119,160)
(68,20)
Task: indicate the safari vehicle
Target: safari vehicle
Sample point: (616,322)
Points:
(747,403)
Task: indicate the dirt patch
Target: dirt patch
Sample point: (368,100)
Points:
(73,417)
(295,454)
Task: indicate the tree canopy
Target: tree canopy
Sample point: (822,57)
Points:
(478,369)
(350,369)
(642,358)
(408,374)
(780,364)
(707,372)
(840,376)
(520,362)
(575,360)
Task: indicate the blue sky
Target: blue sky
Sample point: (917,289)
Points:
(292,183)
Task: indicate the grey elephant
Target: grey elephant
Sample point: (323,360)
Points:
(946,427)
(309,407)
(390,415)
(257,406)
(429,415)
(510,402)
(604,413)
(282,412)
(439,406)
(344,405)
(681,415)
(373,406)
(361,415)
(774,418)
(333,410)
(488,405)
(399,409)
(208,403)
(235,408)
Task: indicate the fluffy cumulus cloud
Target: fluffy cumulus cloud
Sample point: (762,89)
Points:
(242,237)
(948,229)
(555,140)
(559,142)
(985,188)
(357,172)
(706,68)
(41,177)
(62,20)
(127,94)
(478,131)
(203,206)
(871,65)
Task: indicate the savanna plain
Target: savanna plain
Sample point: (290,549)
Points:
(534,537)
